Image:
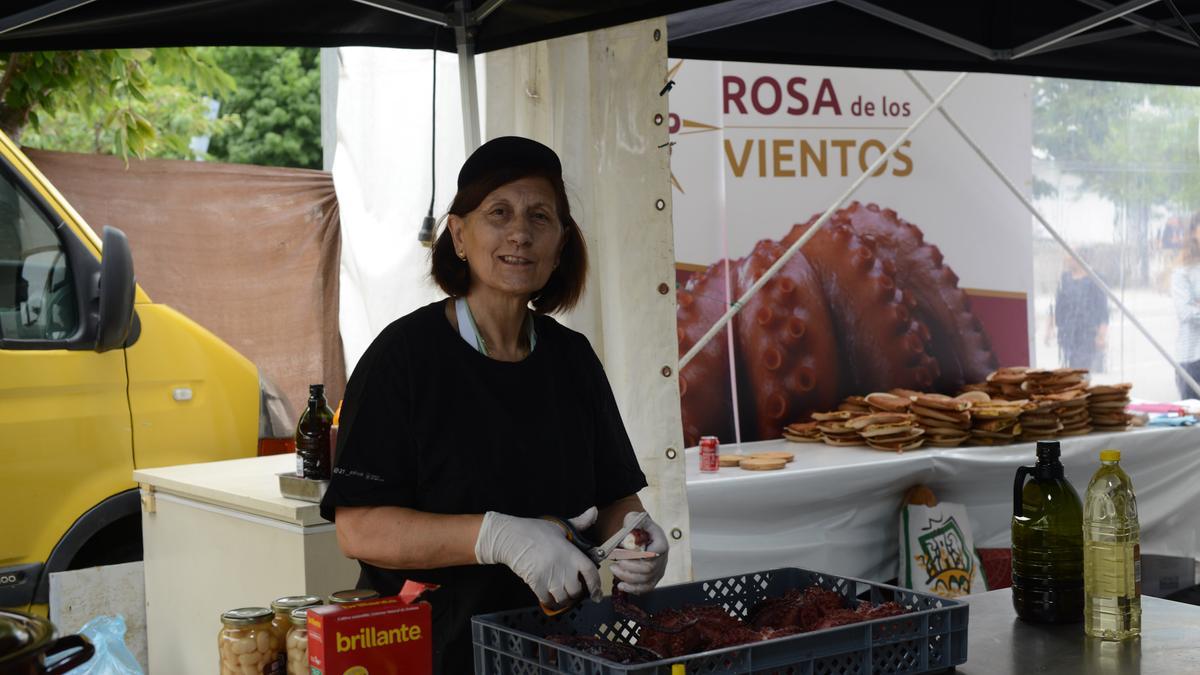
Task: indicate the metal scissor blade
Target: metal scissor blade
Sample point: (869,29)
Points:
(601,552)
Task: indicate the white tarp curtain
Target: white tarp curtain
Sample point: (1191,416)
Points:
(838,508)
(593,98)
(382,174)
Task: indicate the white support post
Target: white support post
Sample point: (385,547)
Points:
(466,78)
(787,255)
(593,97)
(1057,237)
(330,68)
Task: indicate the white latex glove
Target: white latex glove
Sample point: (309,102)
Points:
(537,550)
(639,576)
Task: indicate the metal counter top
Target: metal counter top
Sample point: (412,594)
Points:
(998,643)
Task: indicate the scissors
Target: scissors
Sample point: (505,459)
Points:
(598,554)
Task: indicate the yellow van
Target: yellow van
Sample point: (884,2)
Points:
(96,380)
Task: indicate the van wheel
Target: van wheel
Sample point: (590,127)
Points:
(119,542)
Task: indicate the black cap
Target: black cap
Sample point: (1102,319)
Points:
(509,152)
(1048,450)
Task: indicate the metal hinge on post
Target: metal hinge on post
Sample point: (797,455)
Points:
(148,502)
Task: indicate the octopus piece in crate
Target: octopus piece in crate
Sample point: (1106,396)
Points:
(796,608)
(692,629)
(616,652)
(709,627)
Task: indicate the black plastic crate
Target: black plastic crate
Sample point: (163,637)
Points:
(931,637)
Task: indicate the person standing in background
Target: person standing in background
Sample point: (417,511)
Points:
(1080,314)
(1185,295)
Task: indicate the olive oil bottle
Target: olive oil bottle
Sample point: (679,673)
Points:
(1047,542)
(313,436)
(1112,555)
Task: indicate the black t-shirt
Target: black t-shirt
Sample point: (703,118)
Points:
(431,424)
(1080,308)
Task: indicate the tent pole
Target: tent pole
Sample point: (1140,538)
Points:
(1078,27)
(691,22)
(485,10)
(1161,27)
(31,16)
(464,36)
(922,28)
(408,9)
(1097,36)
(1057,237)
(787,255)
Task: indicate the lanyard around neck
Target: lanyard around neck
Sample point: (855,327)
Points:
(470,332)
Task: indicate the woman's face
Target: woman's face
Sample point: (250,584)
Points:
(513,239)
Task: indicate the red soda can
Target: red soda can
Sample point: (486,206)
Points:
(710,461)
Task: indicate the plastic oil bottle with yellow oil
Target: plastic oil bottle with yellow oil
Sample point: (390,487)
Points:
(1112,568)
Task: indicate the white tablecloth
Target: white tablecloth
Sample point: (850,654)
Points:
(838,509)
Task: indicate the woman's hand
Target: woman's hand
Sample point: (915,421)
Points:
(537,550)
(639,576)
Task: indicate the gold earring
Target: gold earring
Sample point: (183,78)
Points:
(462,256)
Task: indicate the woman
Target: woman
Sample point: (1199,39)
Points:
(1185,294)
(1080,315)
(469,419)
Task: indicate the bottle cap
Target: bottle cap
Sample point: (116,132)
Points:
(314,389)
(1048,450)
(1110,455)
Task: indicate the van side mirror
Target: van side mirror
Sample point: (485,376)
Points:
(116,291)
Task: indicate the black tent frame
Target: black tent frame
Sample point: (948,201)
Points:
(699,29)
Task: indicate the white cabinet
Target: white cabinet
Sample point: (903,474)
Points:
(218,536)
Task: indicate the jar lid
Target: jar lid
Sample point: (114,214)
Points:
(1110,455)
(290,602)
(354,595)
(300,616)
(246,616)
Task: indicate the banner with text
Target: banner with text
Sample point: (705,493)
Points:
(920,281)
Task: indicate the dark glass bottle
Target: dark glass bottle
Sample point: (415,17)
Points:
(1047,542)
(312,436)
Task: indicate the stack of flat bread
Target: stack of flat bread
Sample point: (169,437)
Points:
(888,431)
(1014,404)
(802,432)
(834,431)
(996,422)
(1106,406)
(946,420)
(855,404)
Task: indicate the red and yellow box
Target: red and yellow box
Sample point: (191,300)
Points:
(385,636)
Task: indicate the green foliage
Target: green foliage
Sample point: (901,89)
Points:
(1134,144)
(277,103)
(123,101)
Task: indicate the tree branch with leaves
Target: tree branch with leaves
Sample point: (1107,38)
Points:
(140,102)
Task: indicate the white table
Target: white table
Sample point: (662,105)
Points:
(837,508)
(218,536)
